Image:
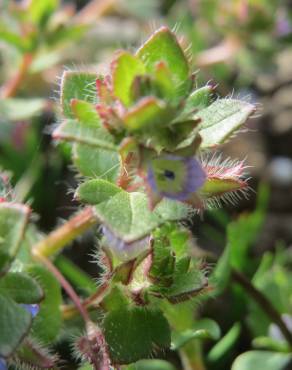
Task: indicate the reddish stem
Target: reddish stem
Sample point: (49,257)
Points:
(9,89)
(67,287)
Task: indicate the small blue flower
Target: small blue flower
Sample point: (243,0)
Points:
(33,309)
(175,177)
(3,365)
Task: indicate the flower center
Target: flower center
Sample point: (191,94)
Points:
(169,174)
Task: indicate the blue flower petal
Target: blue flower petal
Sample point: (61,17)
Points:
(186,173)
(33,309)
(123,250)
(3,365)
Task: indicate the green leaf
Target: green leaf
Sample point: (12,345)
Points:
(86,367)
(261,360)
(203,329)
(210,327)
(16,109)
(77,85)
(215,186)
(127,214)
(186,286)
(13,222)
(47,323)
(271,344)
(72,130)
(164,81)
(151,365)
(96,163)
(134,333)
(198,100)
(96,191)
(124,70)
(163,262)
(115,299)
(225,344)
(21,288)
(40,11)
(18,41)
(85,113)
(221,119)
(147,113)
(163,46)
(15,323)
(180,240)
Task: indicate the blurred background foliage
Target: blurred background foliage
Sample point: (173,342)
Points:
(244,47)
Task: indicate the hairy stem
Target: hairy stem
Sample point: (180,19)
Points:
(62,236)
(94,300)
(264,303)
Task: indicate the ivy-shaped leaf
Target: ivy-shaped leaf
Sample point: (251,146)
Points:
(127,215)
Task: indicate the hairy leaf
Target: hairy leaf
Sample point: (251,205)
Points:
(96,163)
(196,101)
(127,215)
(77,85)
(21,288)
(13,221)
(48,322)
(221,119)
(148,113)
(163,46)
(72,130)
(85,113)
(15,323)
(124,70)
(134,333)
